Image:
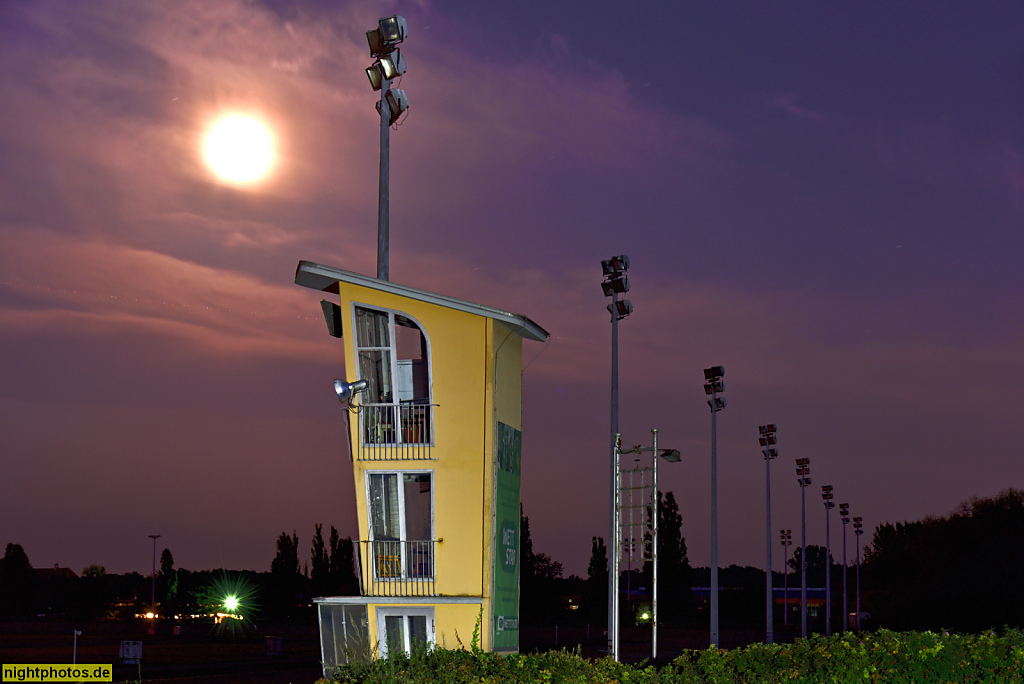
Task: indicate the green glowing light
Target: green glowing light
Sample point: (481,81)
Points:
(231,603)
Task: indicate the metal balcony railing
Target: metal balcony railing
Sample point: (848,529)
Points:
(402,432)
(396,568)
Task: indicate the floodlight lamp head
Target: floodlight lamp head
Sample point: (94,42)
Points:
(347,390)
(376,42)
(607,268)
(392,65)
(769,454)
(717,404)
(770,427)
(376,76)
(620,309)
(393,29)
(620,263)
(397,101)
(671,455)
(714,372)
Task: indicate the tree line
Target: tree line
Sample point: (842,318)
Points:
(283,593)
(959,572)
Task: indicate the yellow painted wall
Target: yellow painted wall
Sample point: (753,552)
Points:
(471,393)
(453,623)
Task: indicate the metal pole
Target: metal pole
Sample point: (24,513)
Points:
(152,603)
(617,551)
(828,574)
(846,615)
(769,637)
(714,521)
(613,533)
(858,581)
(654,553)
(383,219)
(74,648)
(803,562)
(785,584)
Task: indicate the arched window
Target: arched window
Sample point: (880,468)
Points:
(393,356)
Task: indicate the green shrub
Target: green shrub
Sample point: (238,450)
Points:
(881,657)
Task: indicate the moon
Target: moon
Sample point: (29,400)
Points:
(239,149)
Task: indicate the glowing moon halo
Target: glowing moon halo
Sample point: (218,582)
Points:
(239,149)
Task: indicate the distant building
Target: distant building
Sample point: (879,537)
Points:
(56,572)
(436,445)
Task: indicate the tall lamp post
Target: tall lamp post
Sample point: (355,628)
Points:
(615,283)
(672,456)
(803,470)
(152,602)
(826,495)
(787,541)
(844,515)
(858,529)
(383,42)
(713,386)
(767,440)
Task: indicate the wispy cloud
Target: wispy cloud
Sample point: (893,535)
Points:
(788,102)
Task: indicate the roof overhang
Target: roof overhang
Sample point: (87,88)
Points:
(326,278)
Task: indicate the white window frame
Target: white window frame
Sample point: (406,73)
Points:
(392,350)
(405,613)
(402,536)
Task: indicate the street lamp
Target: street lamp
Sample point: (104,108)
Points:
(615,282)
(786,541)
(858,529)
(389,64)
(712,386)
(844,515)
(672,456)
(152,603)
(826,495)
(767,440)
(803,470)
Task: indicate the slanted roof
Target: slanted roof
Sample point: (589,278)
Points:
(326,279)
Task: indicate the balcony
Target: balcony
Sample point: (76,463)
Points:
(395,432)
(396,568)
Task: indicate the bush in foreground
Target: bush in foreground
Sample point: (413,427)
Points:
(875,658)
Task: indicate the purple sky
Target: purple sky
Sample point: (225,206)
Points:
(825,198)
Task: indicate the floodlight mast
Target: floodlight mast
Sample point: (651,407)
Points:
(786,537)
(826,495)
(383,42)
(844,515)
(858,529)
(803,470)
(614,271)
(767,441)
(712,386)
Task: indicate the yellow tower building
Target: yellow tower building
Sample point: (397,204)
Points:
(435,440)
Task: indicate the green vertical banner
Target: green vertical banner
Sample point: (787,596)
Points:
(506,543)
